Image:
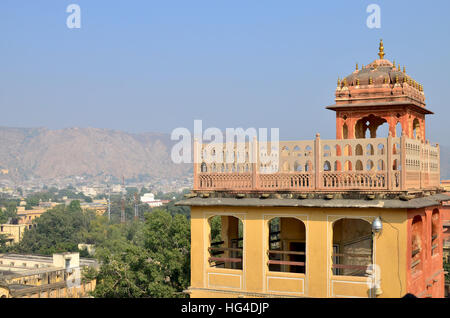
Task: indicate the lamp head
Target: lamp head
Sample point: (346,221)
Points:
(377,225)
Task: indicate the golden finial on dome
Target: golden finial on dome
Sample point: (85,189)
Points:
(345,82)
(396,79)
(404,69)
(381,50)
(357,82)
(357,67)
(339,82)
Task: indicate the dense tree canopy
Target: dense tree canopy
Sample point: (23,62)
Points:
(9,211)
(57,230)
(153,263)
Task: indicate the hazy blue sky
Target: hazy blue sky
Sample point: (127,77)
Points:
(144,65)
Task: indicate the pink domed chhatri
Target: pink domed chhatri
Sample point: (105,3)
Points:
(384,90)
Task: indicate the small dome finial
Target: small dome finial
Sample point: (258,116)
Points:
(381,50)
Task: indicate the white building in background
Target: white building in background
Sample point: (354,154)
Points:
(88,191)
(116,188)
(149,198)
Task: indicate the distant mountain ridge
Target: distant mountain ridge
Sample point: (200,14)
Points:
(45,153)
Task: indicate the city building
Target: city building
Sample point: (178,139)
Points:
(33,276)
(355,216)
(89,191)
(13,232)
(149,198)
(99,206)
(27,216)
(15,229)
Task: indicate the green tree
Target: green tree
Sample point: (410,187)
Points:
(57,230)
(3,242)
(154,263)
(9,212)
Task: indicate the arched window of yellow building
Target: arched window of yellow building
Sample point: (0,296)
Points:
(287,245)
(416,244)
(352,247)
(226,242)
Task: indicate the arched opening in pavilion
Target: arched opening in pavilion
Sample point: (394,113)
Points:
(226,242)
(287,245)
(368,127)
(352,247)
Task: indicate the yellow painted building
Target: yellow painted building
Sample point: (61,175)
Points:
(27,216)
(255,279)
(99,206)
(14,232)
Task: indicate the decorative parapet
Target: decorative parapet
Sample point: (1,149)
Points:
(375,164)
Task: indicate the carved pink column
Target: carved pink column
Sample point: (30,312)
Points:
(403,161)
(389,161)
(351,122)
(439,165)
(255,164)
(317,169)
(196,164)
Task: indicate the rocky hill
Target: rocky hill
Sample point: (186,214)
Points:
(44,153)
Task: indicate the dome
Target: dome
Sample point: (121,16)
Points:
(381,78)
(380,71)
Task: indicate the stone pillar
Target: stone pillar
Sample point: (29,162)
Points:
(255,164)
(351,122)
(392,123)
(339,126)
(403,162)
(439,165)
(317,169)
(421,159)
(389,149)
(196,168)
